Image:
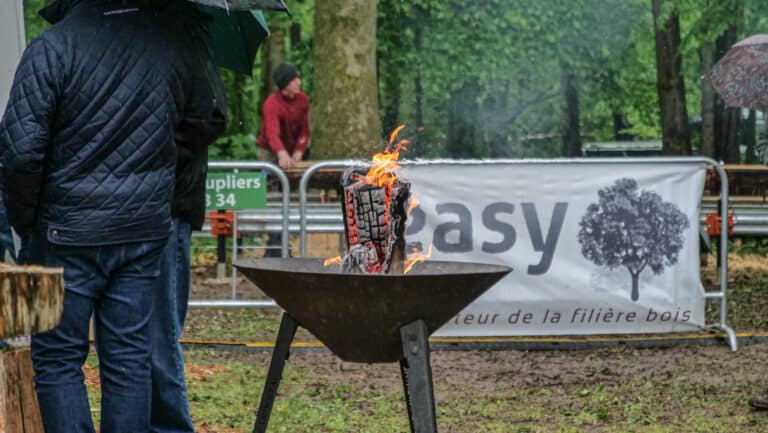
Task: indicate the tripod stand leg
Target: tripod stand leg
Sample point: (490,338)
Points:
(280,354)
(417,377)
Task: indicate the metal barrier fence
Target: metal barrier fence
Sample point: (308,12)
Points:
(721,295)
(285,190)
(320,218)
(751,219)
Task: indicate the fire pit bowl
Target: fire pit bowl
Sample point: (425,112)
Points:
(359,316)
(368,318)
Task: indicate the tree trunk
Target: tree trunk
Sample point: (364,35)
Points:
(635,287)
(31,299)
(620,124)
(733,140)
(569,130)
(345,115)
(750,138)
(272,55)
(707,53)
(496,115)
(19,412)
(391,100)
(418,88)
(238,105)
(390,66)
(669,83)
(726,119)
(463,111)
(418,93)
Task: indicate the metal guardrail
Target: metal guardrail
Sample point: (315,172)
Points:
(751,219)
(722,295)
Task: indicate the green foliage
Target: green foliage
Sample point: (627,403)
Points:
(32,22)
(484,78)
(746,246)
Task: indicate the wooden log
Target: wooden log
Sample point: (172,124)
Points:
(325,178)
(31,299)
(19,411)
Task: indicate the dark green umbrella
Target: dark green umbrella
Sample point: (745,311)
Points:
(236,36)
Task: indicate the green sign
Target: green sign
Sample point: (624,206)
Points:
(244,190)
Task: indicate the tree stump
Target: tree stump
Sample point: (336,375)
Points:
(19,412)
(31,299)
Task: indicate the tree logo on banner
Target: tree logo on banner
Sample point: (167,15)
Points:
(634,229)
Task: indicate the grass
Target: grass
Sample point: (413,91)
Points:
(224,390)
(318,396)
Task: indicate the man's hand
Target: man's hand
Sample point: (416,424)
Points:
(284,160)
(297,156)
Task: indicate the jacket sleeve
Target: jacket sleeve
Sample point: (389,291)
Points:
(204,116)
(271,123)
(25,131)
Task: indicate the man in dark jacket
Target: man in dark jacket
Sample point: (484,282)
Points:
(199,127)
(89,161)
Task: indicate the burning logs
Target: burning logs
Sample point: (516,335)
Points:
(31,299)
(374,220)
(376,205)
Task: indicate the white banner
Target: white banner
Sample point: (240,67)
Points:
(11,44)
(595,248)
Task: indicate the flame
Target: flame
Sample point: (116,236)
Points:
(394,133)
(382,171)
(416,257)
(332,261)
(412,205)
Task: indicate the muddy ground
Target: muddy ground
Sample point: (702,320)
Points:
(689,387)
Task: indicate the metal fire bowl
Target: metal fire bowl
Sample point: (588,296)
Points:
(359,316)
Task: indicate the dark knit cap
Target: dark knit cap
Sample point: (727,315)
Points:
(283,74)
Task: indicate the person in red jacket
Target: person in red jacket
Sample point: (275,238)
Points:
(284,136)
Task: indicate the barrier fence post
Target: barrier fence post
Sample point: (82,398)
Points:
(221,253)
(304,184)
(221,246)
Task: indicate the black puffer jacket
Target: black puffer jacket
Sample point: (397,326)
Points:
(87,139)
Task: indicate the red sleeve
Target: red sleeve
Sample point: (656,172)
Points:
(303,141)
(271,121)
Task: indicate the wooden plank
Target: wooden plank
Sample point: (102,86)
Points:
(325,178)
(31,299)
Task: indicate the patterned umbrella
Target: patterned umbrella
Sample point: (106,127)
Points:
(741,76)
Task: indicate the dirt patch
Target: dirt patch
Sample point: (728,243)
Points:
(713,366)
(200,372)
(597,390)
(593,390)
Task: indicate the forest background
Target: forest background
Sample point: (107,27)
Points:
(499,78)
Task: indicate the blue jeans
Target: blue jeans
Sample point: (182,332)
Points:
(170,407)
(115,283)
